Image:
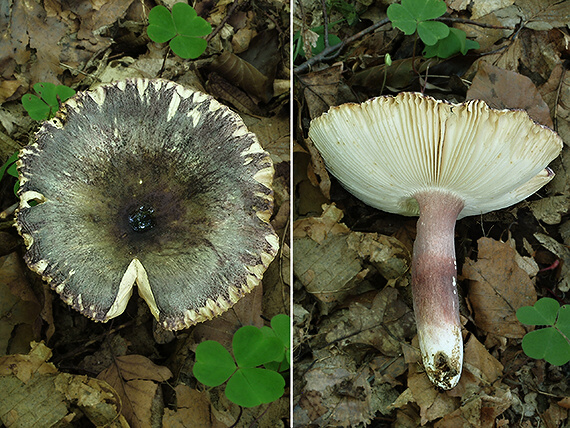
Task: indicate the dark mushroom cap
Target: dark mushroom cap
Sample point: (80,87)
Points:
(147,182)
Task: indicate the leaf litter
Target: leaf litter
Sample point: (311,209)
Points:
(150,369)
(506,259)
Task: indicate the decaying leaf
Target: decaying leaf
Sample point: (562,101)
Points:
(556,93)
(320,89)
(497,288)
(550,210)
(244,75)
(387,254)
(335,394)
(384,325)
(330,258)
(273,135)
(135,378)
(18,304)
(563,254)
(503,89)
(192,410)
(323,262)
(35,394)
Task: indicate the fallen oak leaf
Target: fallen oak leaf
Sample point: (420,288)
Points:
(135,378)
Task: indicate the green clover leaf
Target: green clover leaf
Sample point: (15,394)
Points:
(47,104)
(455,42)
(214,364)
(252,348)
(551,343)
(250,387)
(182,27)
(416,15)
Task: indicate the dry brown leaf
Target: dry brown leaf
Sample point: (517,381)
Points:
(555,416)
(433,404)
(55,36)
(486,368)
(386,323)
(398,75)
(317,173)
(336,393)
(247,311)
(387,369)
(484,8)
(317,228)
(18,304)
(544,14)
(329,257)
(309,198)
(273,135)
(556,93)
(192,410)
(504,89)
(35,394)
(244,75)
(550,210)
(320,89)
(135,378)
(563,254)
(497,288)
(324,264)
(486,37)
(480,410)
(387,254)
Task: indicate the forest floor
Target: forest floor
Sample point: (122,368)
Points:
(72,358)
(356,353)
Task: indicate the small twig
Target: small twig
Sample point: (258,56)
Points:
(168,50)
(8,211)
(332,49)
(414,55)
(238,418)
(326,23)
(231,10)
(557,100)
(471,22)
(329,51)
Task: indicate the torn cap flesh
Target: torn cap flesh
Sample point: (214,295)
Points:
(147,183)
(407,152)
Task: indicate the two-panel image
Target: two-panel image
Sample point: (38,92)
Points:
(274,213)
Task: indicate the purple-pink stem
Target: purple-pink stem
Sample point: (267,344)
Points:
(434,287)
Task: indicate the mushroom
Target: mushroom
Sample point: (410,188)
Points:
(411,154)
(146,182)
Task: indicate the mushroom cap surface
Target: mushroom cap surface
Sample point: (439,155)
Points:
(389,148)
(146,182)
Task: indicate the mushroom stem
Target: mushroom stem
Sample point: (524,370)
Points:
(434,287)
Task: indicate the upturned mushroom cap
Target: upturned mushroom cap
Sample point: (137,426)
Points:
(387,149)
(411,154)
(146,182)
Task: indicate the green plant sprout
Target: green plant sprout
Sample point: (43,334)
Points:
(9,168)
(320,45)
(249,385)
(455,42)
(47,104)
(551,343)
(413,16)
(183,28)
(347,10)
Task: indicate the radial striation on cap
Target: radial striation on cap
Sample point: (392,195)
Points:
(144,182)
